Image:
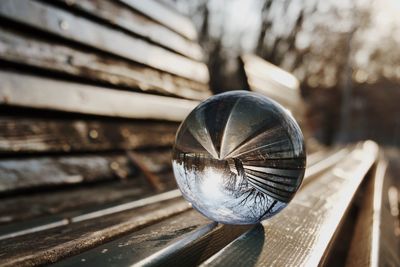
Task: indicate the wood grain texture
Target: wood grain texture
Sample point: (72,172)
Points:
(194,249)
(19,174)
(301,234)
(267,79)
(374,242)
(165,15)
(134,247)
(33,134)
(30,173)
(78,29)
(174,250)
(53,244)
(163,244)
(119,15)
(68,199)
(46,54)
(41,93)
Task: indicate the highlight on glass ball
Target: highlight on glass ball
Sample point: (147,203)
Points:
(239,158)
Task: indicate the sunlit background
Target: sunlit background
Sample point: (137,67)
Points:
(345,54)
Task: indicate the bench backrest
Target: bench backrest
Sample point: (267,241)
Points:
(267,79)
(82,82)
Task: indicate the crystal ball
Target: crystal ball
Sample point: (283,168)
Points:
(239,158)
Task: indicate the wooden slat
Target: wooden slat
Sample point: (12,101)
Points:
(56,202)
(84,31)
(41,93)
(54,210)
(178,250)
(45,54)
(53,244)
(184,233)
(28,173)
(265,78)
(195,248)
(33,134)
(330,159)
(301,234)
(374,242)
(53,202)
(165,15)
(17,174)
(116,14)
(129,249)
(188,233)
(175,249)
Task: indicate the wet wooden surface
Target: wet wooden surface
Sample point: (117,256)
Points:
(40,93)
(79,29)
(29,49)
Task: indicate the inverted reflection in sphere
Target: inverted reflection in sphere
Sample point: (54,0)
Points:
(239,158)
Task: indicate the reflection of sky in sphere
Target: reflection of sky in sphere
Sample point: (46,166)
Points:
(239,158)
(220,203)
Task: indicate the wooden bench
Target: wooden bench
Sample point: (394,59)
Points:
(364,235)
(91,95)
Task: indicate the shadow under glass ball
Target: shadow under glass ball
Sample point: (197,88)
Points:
(239,158)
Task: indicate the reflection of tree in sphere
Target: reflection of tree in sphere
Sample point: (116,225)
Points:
(239,158)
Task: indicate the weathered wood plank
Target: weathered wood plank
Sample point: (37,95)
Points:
(86,32)
(265,78)
(164,15)
(186,247)
(41,93)
(157,245)
(115,13)
(18,174)
(130,249)
(189,245)
(301,234)
(33,134)
(374,242)
(152,178)
(330,159)
(57,202)
(29,173)
(53,244)
(195,248)
(49,55)
(53,202)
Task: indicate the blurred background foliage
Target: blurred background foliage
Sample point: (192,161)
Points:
(345,54)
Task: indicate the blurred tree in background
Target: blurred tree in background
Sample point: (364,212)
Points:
(345,54)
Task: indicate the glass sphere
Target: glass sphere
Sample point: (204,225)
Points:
(239,158)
